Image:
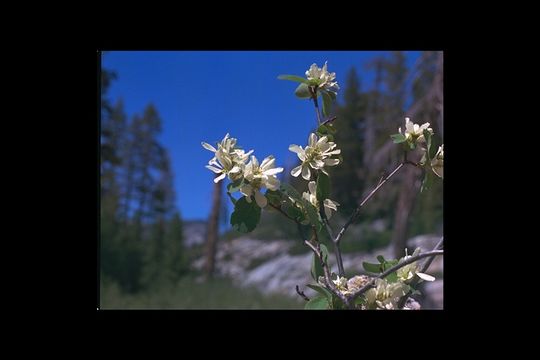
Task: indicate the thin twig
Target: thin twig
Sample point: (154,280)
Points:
(357,211)
(283,213)
(301,293)
(423,269)
(327,276)
(327,121)
(393,269)
(330,233)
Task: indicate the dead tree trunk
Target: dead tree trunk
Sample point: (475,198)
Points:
(212,231)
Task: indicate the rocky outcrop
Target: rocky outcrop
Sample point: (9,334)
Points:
(268,266)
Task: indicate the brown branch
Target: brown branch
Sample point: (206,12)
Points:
(329,284)
(393,269)
(330,233)
(357,211)
(301,293)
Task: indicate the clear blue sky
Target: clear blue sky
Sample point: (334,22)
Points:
(202,95)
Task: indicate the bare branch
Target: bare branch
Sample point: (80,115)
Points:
(423,269)
(301,293)
(357,211)
(393,269)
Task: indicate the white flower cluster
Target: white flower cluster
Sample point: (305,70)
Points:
(230,161)
(414,132)
(323,79)
(316,155)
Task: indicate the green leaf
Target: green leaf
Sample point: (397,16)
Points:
(302,91)
(235,186)
(274,197)
(293,78)
(359,301)
(313,215)
(294,212)
(245,216)
(372,268)
(428,180)
(392,277)
(321,290)
(316,267)
(326,103)
(398,138)
(323,187)
(412,145)
(427,136)
(291,191)
(381,259)
(317,303)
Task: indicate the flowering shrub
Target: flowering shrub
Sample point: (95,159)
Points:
(389,282)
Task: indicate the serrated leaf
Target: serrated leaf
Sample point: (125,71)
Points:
(322,130)
(326,103)
(245,216)
(293,78)
(321,290)
(302,91)
(398,138)
(317,303)
(381,259)
(323,187)
(392,277)
(372,268)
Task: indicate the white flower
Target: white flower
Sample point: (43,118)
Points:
(341,283)
(259,176)
(227,160)
(385,295)
(316,155)
(323,78)
(311,196)
(415,132)
(407,272)
(437,163)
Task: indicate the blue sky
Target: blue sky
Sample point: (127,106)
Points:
(202,95)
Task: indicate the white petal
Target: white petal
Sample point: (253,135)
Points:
(425,277)
(312,186)
(260,199)
(312,139)
(409,126)
(270,172)
(424,126)
(254,161)
(208,146)
(330,204)
(306,173)
(331,162)
(295,148)
(213,168)
(334,152)
(322,140)
(296,171)
(219,178)
(268,163)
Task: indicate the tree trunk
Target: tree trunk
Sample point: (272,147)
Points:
(212,232)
